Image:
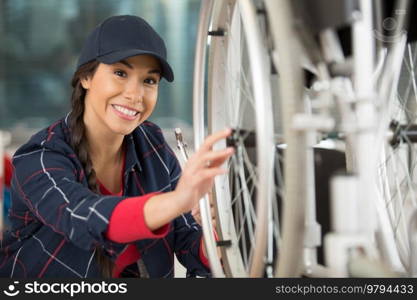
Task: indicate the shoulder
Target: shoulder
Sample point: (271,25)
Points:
(50,141)
(54,137)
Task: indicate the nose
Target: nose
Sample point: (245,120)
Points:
(133,91)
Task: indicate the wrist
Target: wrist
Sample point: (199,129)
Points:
(161,209)
(184,201)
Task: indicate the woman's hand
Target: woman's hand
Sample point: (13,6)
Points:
(198,173)
(196,180)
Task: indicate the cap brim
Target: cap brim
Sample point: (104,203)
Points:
(116,56)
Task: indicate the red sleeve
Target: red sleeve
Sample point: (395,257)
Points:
(203,258)
(127,222)
(8,170)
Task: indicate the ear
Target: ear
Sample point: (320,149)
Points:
(86,82)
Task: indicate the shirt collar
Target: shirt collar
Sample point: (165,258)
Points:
(131,155)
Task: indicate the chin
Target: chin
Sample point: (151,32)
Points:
(123,130)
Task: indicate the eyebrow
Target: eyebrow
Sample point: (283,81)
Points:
(126,64)
(154,71)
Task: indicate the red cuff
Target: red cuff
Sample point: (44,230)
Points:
(127,222)
(203,258)
(8,170)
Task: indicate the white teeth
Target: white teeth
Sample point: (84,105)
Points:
(125,110)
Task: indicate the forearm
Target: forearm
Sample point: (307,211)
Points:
(127,221)
(161,209)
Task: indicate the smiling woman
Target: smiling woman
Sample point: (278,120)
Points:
(100,193)
(121,95)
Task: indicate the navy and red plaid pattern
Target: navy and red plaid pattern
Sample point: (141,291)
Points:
(57,222)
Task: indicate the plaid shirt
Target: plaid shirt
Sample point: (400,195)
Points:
(57,222)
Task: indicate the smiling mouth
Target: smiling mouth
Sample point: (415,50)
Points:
(125,111)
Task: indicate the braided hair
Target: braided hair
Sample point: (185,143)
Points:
(79,143)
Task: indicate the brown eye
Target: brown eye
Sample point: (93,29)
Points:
(120,73)
(151,81)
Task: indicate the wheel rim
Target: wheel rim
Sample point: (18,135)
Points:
(239,97)
(397,168)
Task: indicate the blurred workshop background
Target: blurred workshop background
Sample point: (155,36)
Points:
(39,46)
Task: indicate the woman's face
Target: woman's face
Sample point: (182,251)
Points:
(121,96)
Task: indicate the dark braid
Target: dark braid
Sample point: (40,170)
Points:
(80,146)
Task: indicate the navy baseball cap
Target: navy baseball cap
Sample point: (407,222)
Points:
(120,37)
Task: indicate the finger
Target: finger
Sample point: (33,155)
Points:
(195,211)
(215,137)
(216,157)
(212,160)
(210,173)
(218,162)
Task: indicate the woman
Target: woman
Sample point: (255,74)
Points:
(99,193)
